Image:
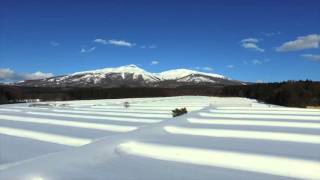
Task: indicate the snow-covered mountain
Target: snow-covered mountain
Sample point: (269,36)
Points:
(131,76)
(181,73)
(123,71)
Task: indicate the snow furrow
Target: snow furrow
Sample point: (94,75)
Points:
(231,137)
(109,118)
(105,127)
(116,114)
(254,123)
(234,160)
(265,112)
(260,116)
(240,134)
(46,137)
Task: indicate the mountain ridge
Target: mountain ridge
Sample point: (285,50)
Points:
(132,76)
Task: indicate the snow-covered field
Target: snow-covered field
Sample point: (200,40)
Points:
(220,138)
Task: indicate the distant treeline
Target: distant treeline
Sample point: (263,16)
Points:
(289,93)
(12,94)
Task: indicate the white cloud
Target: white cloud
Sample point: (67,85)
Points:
(54,43)
(312,57)
(6,73)
(256,62)
(252,46)
(115,42)
(259,62)
(121,43)
(230,66)
(207,69)
(102,41)
(87,50)
(9,75)
(251,43)
(152,46)
(148,47)
(155,62)
(303,42)
(37,75)
(250,40)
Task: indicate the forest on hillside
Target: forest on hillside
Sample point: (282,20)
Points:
(289,93)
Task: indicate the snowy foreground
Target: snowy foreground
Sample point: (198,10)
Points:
(220,138)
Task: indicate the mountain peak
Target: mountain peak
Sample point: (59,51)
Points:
(180,73)
(130,66)
(132,76)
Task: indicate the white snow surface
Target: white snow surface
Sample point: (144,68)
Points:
(219,138)
(123,70)
(180,73)
(195,79)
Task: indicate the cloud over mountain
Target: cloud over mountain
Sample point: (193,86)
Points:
(9,75)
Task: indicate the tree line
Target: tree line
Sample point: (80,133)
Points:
(289,93)
(13,94)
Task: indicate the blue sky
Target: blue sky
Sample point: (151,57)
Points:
(247,40)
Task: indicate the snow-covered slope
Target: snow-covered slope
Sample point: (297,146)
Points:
(181,73)
(220,138)
(133,76)
(131,69)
